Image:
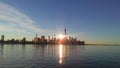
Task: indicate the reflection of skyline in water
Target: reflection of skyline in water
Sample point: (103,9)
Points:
(59,56)
(53,53)
(1,49)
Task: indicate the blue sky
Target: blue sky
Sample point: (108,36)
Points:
(95,21)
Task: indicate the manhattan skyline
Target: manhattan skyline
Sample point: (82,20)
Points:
(94,21)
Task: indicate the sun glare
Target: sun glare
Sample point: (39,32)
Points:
(61,36)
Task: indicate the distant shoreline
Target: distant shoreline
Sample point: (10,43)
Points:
(25,43)
(62,44)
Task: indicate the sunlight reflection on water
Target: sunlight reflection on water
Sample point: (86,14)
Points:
(60,53)
(59,56)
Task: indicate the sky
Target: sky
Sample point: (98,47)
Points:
(93,21)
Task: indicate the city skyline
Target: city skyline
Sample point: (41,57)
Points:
(95,22)
(62,39)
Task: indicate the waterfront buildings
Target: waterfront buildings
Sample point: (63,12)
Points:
(61,39)
(2,37)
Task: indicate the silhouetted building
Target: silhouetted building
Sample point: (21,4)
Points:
(12,41)
(65,31)
(42,37)
(43,40)
(23,40)
(63,39)
(36,39)
(2,38)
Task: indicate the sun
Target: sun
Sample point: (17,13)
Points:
(61,36)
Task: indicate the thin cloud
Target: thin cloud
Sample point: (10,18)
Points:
(12,19)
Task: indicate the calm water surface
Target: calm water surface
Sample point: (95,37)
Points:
(59,56)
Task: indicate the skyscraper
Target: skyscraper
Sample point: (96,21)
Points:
(48,39)
(65,31)
(2,37)
(36,39)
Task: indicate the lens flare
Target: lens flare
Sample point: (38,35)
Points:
(61,36)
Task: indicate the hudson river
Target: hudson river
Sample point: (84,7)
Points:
(59,56)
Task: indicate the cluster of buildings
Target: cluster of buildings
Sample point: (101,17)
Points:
(13,41)
(61,39)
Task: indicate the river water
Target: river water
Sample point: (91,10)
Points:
(59,56)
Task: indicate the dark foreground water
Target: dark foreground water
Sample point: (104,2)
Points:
(59,56)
